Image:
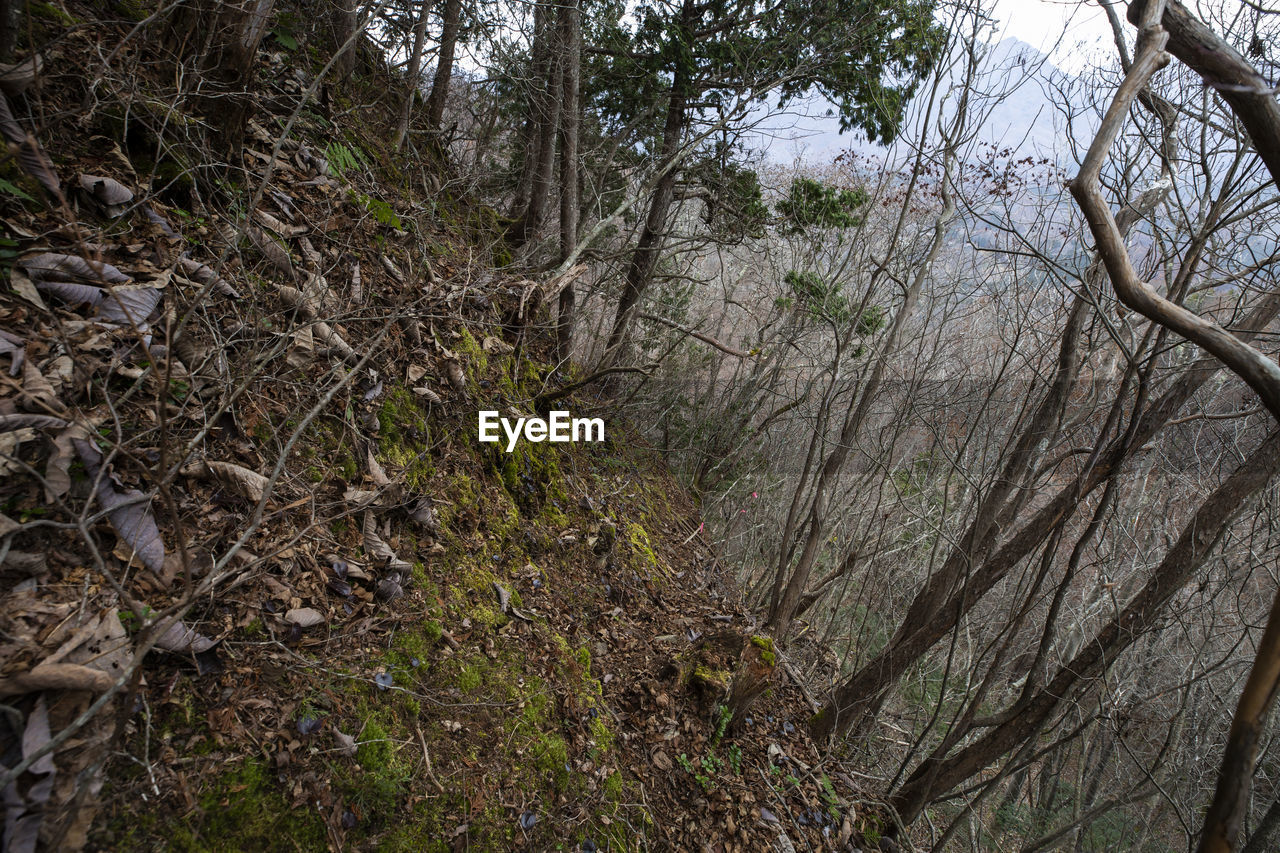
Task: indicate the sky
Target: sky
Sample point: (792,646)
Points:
(1074,34)
(1060,28)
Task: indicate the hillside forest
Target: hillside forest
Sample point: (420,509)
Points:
(935,503)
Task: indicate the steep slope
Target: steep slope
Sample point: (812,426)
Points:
(258,569)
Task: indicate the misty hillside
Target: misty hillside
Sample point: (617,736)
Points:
(708,426)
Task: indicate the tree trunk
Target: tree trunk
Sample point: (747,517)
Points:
(1260,841)
(344,27)
(414,74)
(779,621)
(853,703)
(238,29)
(1197,541)
(444,64)
(8,29)
(571,63)
(544,109)
(645,255)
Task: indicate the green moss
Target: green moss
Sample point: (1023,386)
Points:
(477,360)
(243,809)
(470,679)
(641,550)
(375,748)
(716,679)
(550,755)
(404,438)
(424,830)
(613,787)
(765,645)
(602,735)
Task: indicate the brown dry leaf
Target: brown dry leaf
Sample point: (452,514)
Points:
(246,483)
(346,744)
(376,547)
(392,269)
(304,617)
(495,345)
(376,474)
(204,275)
(38,392)
(335,342)
(113,196)
(266,220)
(108,650)
(17,77)
(428,394)
(272,251)
(453,373)
(10,441)
(30,155)
(25,287)
(357,291)
(362,498)
(128,511)
(55,266)
(57,473)
(177,637)
(14,347)
(129,305)
(73,293)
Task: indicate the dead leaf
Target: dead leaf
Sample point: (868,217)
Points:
(177,637)
(25,287)
(304,617)
(30,155)
(17,77)
(129,305)
(248,484)
(56,676)
(346,744)
(128,511)
(73,293)
(57,473)
(375,547)
(495,345)
(205,276)
(37,390)
(113,196)
(54,266)
(272,251)
(376,474)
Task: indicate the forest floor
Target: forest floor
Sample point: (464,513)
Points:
(423,642)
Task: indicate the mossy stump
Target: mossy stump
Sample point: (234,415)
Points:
(753,676)
(727,669)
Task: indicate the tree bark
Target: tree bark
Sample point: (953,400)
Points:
(544,109)
(343,27)
(237,30)
(570,64)
(1260,841)
(645,255)
(444,63)
(414,73)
